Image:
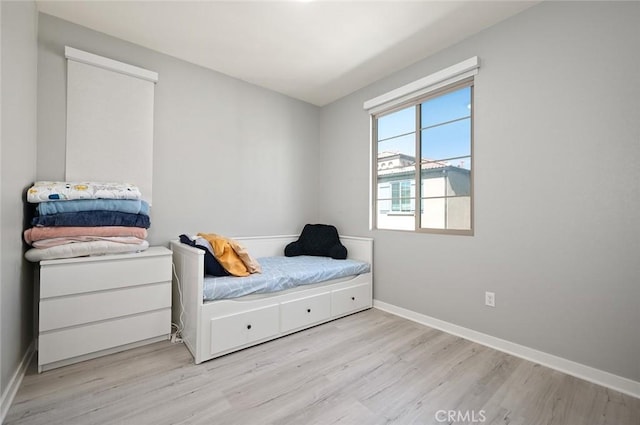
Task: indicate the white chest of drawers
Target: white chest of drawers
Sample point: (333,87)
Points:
(92,306)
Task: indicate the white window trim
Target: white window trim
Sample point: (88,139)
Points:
(109,64)
(415,89)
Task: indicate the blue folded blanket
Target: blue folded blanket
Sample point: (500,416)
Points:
(120,205)
(93,219)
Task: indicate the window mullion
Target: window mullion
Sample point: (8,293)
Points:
(418,182)
(374,175)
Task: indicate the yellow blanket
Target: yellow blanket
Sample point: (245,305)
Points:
(232,256)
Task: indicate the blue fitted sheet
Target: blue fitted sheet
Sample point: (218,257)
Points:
(281,273)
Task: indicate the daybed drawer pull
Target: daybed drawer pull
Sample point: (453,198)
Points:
(353,298)
(308,310)
(248,326)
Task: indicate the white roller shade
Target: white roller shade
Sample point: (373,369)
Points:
(109,121)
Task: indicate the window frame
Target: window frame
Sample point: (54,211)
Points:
(418,197)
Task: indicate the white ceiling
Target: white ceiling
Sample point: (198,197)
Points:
(316,51)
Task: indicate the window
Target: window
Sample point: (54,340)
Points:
(422,161)
(401,196)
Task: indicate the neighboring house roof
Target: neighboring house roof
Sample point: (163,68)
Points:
(406,164)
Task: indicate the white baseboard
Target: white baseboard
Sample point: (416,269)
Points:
(12,388)
(600,377)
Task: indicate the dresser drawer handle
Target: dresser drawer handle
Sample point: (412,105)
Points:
(308,310)
(248,326)
(353,298)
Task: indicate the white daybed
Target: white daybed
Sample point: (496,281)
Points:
(215,328)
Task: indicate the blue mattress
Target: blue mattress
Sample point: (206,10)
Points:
(281,273)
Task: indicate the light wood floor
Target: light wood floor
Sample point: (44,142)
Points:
(369,368)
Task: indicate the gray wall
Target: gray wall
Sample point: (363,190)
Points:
(557,188)
(18,169)
(2,384)
(229,157)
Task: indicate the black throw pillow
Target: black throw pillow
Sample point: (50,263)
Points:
(211,266)
(320,240)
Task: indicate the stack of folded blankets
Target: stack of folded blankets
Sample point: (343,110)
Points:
(75,219)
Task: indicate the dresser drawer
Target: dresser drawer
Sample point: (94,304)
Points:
(77,341)
(344,301)
(239,329)
(74,310)
(118,271)
(304,312)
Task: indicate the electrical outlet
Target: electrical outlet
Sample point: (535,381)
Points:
(490,299)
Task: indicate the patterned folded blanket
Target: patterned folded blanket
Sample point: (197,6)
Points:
(93,218)
(44,191)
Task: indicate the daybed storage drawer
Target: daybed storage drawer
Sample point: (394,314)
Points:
(345,301)
(239,329)
(77,341)
(305,311)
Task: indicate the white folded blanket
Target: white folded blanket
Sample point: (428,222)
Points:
(48,243)
(81,249)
